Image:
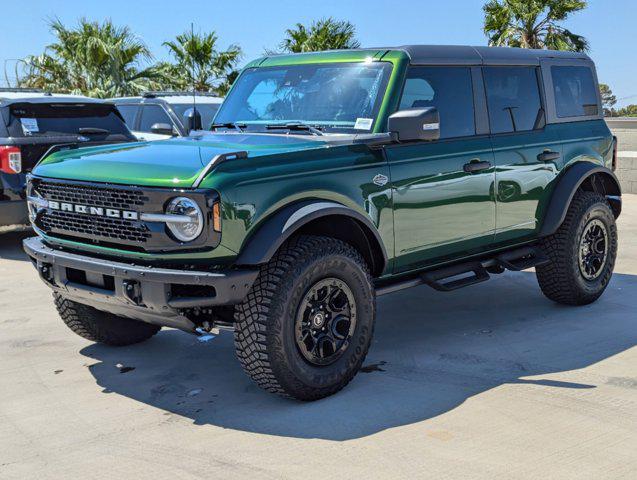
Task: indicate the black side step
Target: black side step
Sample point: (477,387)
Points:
(516,260)
(435,278)
(521,258)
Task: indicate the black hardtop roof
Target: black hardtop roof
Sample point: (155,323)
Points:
(466,55)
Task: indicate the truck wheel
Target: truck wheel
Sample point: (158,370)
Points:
(307,323)
(582,252)
(102,327)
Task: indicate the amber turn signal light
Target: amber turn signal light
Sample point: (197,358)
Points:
(216,217)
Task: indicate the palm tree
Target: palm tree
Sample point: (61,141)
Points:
(199,63)
(533,24)
(95,59)
(325,34)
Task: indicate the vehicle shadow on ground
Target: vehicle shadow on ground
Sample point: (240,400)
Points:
(11,244)
(432,351)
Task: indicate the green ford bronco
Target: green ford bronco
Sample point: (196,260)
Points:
(329,179)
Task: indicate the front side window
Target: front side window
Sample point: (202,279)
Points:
(575,93)
(152,114)
(450,90)
(513,99)
(338,97)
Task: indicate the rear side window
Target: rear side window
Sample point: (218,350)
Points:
(575,93)
(450,90)
(152,114)
(513,99)
(128,112)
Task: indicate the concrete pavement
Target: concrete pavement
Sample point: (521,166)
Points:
(493,381)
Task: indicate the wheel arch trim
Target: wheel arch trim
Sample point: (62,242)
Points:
(568,183)
(280,226)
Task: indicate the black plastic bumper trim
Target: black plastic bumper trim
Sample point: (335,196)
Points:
(153,285)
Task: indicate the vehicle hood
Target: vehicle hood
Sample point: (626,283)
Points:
(171,163)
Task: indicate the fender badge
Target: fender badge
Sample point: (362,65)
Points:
(380,179)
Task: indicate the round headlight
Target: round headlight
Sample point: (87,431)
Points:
(190,225)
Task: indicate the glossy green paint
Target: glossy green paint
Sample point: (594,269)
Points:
(439,209)
(589,141)
(430,212)
(165,163)
(521,180)
(254,188)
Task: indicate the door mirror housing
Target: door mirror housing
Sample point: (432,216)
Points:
(162,129)
(192,120)
(413,124)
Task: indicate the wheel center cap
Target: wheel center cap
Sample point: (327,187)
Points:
(318,320)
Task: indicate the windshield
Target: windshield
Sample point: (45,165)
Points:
(206,110)
(339,97)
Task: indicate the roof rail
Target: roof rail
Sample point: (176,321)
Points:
(21,90)
(153,94)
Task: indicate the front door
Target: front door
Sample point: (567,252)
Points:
(443,191)
(527,152)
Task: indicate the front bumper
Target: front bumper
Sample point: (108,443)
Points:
(155,295)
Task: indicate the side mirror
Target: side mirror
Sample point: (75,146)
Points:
(162,129)
(192,120)
(415,124)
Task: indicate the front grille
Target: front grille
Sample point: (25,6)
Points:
(97,229)
(108,197)
(110,215)
(80,225)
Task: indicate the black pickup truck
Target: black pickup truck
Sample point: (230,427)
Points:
(32,122)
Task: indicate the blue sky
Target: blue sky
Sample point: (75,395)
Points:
(609,25)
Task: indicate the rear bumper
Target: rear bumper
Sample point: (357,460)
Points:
(154,295)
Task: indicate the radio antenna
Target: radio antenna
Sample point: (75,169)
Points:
(192,70)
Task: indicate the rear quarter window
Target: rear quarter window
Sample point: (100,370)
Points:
(575,92)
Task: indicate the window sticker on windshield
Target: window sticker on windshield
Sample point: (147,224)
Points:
(29,125)
(363,123)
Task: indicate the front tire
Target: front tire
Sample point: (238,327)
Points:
(582,252)
(102,327)
(307,323)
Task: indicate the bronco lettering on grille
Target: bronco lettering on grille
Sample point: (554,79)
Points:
(97,211)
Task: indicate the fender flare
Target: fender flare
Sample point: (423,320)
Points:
(567,185)
(280,226)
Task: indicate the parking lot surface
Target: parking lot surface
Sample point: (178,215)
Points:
(493,381)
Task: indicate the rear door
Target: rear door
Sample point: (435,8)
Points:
(443,190)
(526,151)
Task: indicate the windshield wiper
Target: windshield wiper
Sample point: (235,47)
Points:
(236,126)
(92,131)
(295,126)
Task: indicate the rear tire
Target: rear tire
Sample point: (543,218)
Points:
(582,252)
(307,323)
(102,327)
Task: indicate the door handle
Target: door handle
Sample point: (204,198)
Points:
(476,165)
(548,156)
